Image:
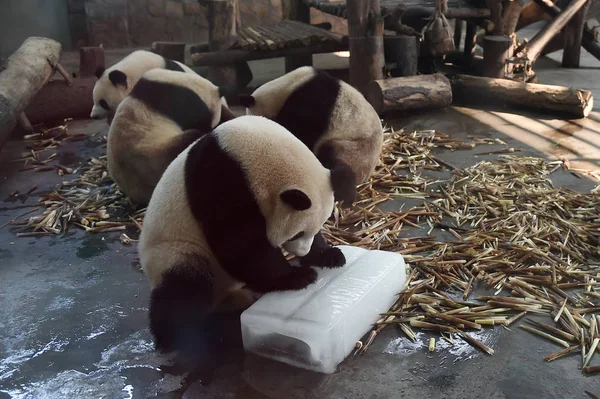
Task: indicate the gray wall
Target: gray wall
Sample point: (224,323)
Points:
(20,19)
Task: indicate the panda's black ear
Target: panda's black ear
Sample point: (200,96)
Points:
(247,100)
(118,78)
(296,199)
(343,181)
(99,71)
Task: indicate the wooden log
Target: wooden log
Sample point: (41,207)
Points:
(496,50)
(296,10)
(365,33)
(538,42)
(172,50)
(409,93)
(57,101)
(403,52)
(233,56)
(25,72)
(477,91)
(588,40)
(91,60)
(573,34)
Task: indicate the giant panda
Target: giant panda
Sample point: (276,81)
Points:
(217,220)
(164,113)
(331,117)
(115,83)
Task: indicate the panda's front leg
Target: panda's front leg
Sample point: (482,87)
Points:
(323,255)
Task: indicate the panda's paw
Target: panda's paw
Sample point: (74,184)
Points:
(330,257)
(299,278)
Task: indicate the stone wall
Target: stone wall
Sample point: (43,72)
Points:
(136,23)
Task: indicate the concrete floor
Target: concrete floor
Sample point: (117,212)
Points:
(73,319)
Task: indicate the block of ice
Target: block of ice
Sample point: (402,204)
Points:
(317,328)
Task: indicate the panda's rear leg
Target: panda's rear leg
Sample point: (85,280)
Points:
(323,255)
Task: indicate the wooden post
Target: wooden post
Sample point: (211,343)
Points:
(510,17)
(458,27)
(90,60)
(469,49)
(495,7)
(496,50)
(539,41)
(296,10)
(365,34)
(222,33)
(403,52)
(573,33)
(23,74)
(170,50)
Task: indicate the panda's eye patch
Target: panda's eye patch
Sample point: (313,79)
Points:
(104,105)
(299,235)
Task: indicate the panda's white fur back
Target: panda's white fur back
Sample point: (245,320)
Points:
(354,127)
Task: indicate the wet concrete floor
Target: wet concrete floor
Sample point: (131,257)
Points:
(73,314)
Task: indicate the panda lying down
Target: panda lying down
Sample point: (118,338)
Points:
(207,251)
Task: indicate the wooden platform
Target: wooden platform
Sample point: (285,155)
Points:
(286,34)
(456,8)
(287,38)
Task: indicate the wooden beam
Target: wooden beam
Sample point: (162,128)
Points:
(477,91)
(542,38)
(296,10)
(24,73)
(510,17)
(233,56)
(573,34)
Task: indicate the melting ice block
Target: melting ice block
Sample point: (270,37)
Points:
(316,328)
